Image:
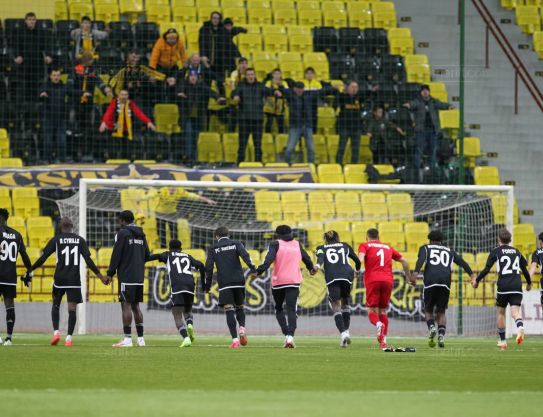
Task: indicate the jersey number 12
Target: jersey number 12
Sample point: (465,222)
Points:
(183,265)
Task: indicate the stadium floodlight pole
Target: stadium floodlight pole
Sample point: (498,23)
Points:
(82,308)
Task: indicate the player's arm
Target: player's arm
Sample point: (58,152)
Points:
(397,256)
(533,265)
(196,264)
(525,272)
(308,262)
(458,260)
(421,259)
(210,261)
(161,257)
(243,254)
(319,254)
(356,260)
(488,266)
(47,252)
(270,257)
(117,254)
(146,248)
(24,255)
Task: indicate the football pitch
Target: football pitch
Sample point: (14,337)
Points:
(470,377)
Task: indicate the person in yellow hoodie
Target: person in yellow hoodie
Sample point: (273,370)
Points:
(275,107)
(168,53)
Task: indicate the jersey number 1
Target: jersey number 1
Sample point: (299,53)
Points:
(381,255)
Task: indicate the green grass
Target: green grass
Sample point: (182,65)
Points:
(470,377)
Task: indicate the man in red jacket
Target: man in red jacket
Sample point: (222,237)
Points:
(119,119)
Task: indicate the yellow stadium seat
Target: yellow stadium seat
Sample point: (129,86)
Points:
(486,176)
(164,26)
(360,18)
(276,43)
(191,38)
(18,223)
(314,231)
(330,174)
(258,4)
(348,205)
(382,5)
(538,43)
(439,90)
(237,14)
(298,30)
(332,5)
(385,169)
(310,17)
(292,70)
(373,197)
(509,4)
(384,19)
(209,147)
(184,14)
(290,57)
(277,165)
(25,202)
(343,228)
(230,147)
(294,207)
(308,5)
(326,122)
(524,237)
(321,205)
(109,12)
(131,6)
(78,10)
(375,211)
(249,43)
(301,43)
(5,145)
(392,233)
(472,150)
(400,207)
(147,2)
(167,118)
(5,199)
(499,209)
(416,59)
(268,148)
(285,17)
(11,163)
(335,18)
(259,16)
(39,235)
(61,10)
(104,256)
(264,67)
(233,3)
(416,235)
(208,3)
(528,18)
(251,165)
(157,13)
(360,228)
(401,46)
(355,174)
(321,151)
(204,12)
(418,73)
(268,206)
(449,119)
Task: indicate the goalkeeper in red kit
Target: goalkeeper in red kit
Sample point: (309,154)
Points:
(378,280)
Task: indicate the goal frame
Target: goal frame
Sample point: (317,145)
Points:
(86,183)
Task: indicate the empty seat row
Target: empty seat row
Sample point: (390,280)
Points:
(20,201)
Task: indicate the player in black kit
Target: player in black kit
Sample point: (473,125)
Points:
(182,288)
(438,260)
(510,263)
(334,257)
(69,248)
(225,255)
(11,245)
(537,261)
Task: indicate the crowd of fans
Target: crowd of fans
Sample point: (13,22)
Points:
(74,127)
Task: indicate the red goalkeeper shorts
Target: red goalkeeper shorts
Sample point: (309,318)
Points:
(378,293)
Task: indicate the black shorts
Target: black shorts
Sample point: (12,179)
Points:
(337,290)
(73,295)
(185,299)
(8,291)
(512,299)
(437,297)
(130,293)
(234,296)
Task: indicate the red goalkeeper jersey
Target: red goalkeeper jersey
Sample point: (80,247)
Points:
(378,261)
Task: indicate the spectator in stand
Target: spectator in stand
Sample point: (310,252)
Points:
(381,132)
(53,94)
(213,43)
(250,95)
(236,77)
(349,122)
(85,37)
(300,105)
(31,52)
(232,51)
(83,80)
(168,54)
(194,97)
(425,110)
(139,80)
(312,88)
(119,119)
(275,107)
(195,64)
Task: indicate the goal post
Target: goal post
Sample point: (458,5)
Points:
(201,206)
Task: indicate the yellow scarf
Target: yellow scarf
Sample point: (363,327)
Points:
(125,116)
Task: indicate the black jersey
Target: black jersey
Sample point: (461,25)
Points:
(537,258)
(69,248)
(334,257)
(130,252)
(438,261)
(225,254)
(11,245)
(179,268)
(509,263)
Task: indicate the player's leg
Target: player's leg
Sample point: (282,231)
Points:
(442,304)
(384,299)
(187,313)
(232,324)
(500,319)
(9,303)
(279,299)
(138,321)
(334,297)
(239,301)
(291,302)
(517,316)
(127,325)
(55,315)
(346,314)
(72,320)
(429,306)
(181,325)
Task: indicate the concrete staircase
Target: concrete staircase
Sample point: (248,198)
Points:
(489,93)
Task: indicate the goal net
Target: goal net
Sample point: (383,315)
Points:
(468,216)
